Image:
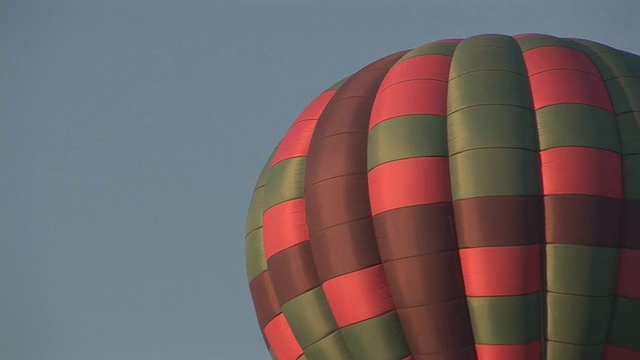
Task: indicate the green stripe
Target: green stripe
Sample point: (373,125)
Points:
(493,172)
(535,41)
(631,177)
(626,323)
(581,270)
(577,125)
(578,320)
(624,94)
(378,338)
(487,58)
(505,320)
(254,254)
(561,351)
(254,217)
(339,84)
(329,348)
(492,126)
(487,40)
(488,87)
(629,125)
(592,47)
(310,316)
(407,137)
(272,354)
(285,181)
(439,48)
(615,64)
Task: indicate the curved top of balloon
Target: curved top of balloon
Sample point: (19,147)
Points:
(472,198)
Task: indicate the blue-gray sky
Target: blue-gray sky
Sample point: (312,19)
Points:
(131,135)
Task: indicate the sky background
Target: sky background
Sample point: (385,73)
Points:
(131,136)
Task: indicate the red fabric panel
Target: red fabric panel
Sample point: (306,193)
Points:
(569,87)
(284,225)
(612,352)
(296,140)
(359,295)
(316,107)
(581,170)
(629,273)
(410,98)
(408,182)
(434,67)
(282,340)
(531,351)
(501,270)
(556,57)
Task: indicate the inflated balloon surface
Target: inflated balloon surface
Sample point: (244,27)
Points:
(468,199)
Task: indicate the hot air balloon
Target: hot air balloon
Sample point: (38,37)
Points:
(472,198)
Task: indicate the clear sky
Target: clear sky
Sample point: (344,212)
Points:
(132,133)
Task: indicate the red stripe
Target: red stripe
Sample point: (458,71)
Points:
(408,182)
(629,273)
(613,352)
(359,295)
(581,170)
(284,225)
(410,98)
(503,270)
(434,67)
(283,342)
(570,87)
(316,107)
(531,351)
(556,57)
(296,141)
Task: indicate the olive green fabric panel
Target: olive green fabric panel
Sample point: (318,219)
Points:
(337,85)
(488,87)
(256,261)
(625,329)
(581,270)
(254,217)
(494,172)
(303,357)
(577,125)
(505,320)
(329,348)
(489,126)
(310,317)
(578,320)
(272,354)
(629,125)
(631,177)
(591,47)
(438,48)
(487,58)
(285,181)
(407,137)
(487,40)
(561,351)
(623,92)
(378,338)
(536,41)
(615,64)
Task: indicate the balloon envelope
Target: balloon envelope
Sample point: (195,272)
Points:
(467,199)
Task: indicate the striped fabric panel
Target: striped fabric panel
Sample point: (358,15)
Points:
(582,186)
(410,198)
(340,225)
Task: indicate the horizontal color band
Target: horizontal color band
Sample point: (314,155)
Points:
(283,342)
(284,226)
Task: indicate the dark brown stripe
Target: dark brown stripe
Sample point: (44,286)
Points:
(631,224)
(264,298)
(439,331)
(425,279)
(293,272)
(499,221)
(416,230)
(336,187)
(583,220)
(340,257)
